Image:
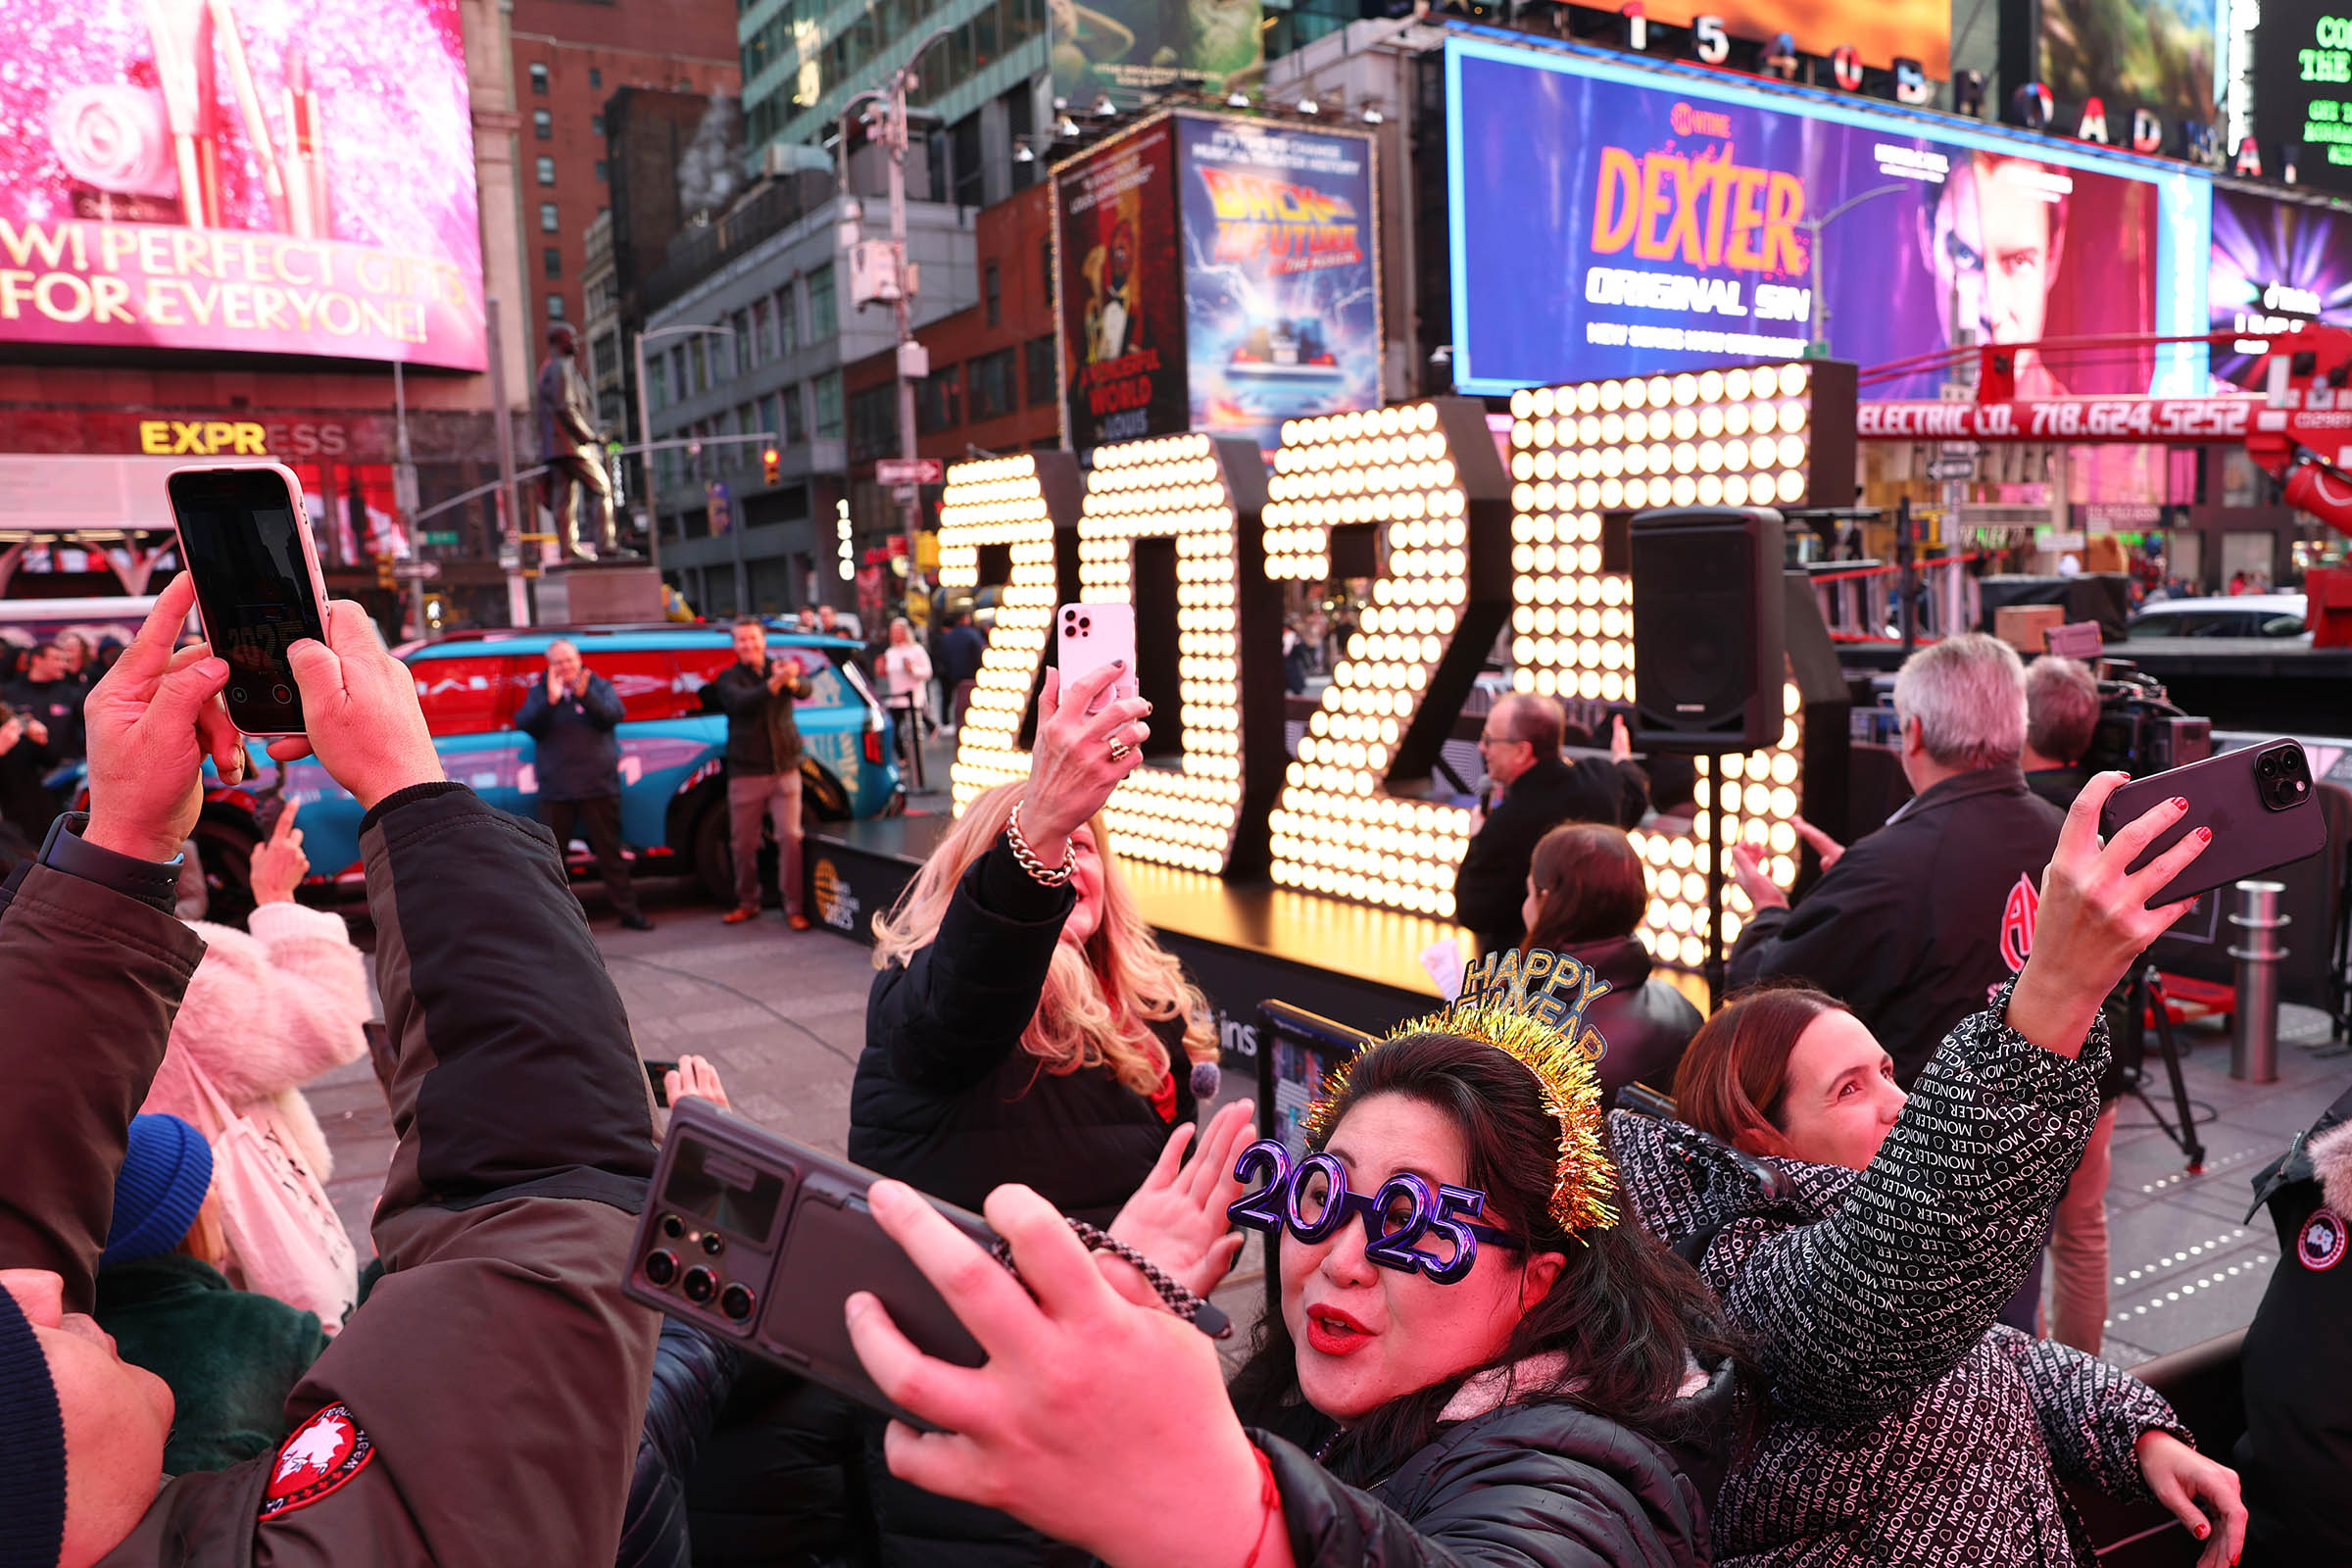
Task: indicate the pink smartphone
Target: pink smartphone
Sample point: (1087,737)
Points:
(1092,636)
(245,540)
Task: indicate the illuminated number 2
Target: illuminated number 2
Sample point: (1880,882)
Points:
(1014,504)
(1202,495)
(1423,487)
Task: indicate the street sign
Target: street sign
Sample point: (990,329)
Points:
(1952,469)
(910,470)
(424,570)
(437,536)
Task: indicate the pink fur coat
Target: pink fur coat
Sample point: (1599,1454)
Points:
(267,1011)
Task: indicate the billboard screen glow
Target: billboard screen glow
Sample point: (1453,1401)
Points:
(1672,219)
(286,176)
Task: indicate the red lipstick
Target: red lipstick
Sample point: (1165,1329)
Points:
(1333,1332)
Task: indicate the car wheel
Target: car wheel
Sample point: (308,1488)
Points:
(224,846)
(713,861)
(821,795)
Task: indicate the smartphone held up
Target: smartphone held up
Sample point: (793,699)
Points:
(246,542)
(2260,801)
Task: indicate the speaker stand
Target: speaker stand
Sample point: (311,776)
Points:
(1714,971)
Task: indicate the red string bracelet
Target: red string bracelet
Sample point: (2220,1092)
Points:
(1269,1497)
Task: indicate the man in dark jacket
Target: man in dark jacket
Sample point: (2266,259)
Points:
(1540,790)
(1917,926)
(2298,1358)
(485,1406)
(50,695)
(961,650)
(763,768)
(572,714)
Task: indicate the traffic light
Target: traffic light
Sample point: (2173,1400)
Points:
(772,464)
(383,572)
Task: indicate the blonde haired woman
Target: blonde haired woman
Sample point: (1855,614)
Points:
(1025,1027)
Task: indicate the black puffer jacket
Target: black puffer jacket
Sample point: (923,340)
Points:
(1537,1484)
(1645,1021)
(947,1100)
(1909,1429)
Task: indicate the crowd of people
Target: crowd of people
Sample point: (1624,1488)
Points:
(1513,1322)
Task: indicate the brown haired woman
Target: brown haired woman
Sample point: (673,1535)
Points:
(1586,891)
(1561,1404)
(1908,1428)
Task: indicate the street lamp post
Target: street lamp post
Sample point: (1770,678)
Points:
(894,138)
(645,432)
(1813,228)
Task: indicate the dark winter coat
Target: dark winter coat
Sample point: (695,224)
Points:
(57,704)
(1536,1485)
(2297,1447)
(231,1357)
(578,756)
(947,1100)
(1909,1429)
(1645,1020)
(1490,887)
(762,737)
(1918,925)
(497,1373)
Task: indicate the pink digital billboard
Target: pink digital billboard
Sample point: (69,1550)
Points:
(282,177)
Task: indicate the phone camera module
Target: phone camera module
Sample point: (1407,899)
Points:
(2282,778)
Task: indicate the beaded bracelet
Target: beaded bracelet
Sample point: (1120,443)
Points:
(1051,876)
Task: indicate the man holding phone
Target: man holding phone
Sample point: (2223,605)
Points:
(764,768)
(571,713)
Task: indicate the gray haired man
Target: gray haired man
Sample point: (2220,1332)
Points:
(1921,923)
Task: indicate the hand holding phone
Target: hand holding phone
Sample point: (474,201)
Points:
(2260,802)
(1090,637)
(246,544)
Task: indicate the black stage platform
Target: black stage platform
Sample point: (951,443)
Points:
(2239,682)
(1241,945)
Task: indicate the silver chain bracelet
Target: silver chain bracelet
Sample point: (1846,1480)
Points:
(1198,1311)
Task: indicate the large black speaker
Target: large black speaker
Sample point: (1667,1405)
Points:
(1707,640)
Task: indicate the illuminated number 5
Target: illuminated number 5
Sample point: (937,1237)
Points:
(1415,498)
(1011,505)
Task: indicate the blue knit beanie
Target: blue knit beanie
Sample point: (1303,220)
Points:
(164,1176)
(32,1448)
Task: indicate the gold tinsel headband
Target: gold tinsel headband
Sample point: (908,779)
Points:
(1532,1010)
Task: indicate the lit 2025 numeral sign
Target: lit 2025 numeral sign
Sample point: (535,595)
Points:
(1416,498)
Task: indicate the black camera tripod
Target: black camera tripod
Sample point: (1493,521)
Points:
(2146,998)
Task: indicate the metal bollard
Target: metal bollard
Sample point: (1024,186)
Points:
(2254,1042)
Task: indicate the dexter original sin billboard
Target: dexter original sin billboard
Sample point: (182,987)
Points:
(1612,221)
(284,176)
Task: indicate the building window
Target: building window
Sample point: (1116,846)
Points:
(604,355)
(553,259)
(822,322)
(763,332)
(698,358)
(874,422)
(549,223)
(547,171)
(539,77)
(939,400)
(543,124)
(796,415)
(742,341)
(1045,257)
(994,394)
(596,77)
(657,382)
(788,320)
(554,307)
(677,371)
(596,124)
(1040,371)
(771,422)
(602,177)
(828,405)
(991,290)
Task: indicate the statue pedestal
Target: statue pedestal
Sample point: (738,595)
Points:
(598,593)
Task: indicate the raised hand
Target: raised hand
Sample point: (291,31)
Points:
(1177,1217)
(1748,869)
(1071,766)
(151,723)
(278,864)
(695,1078)
(359,715)
(1827,847)
(2093,921)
